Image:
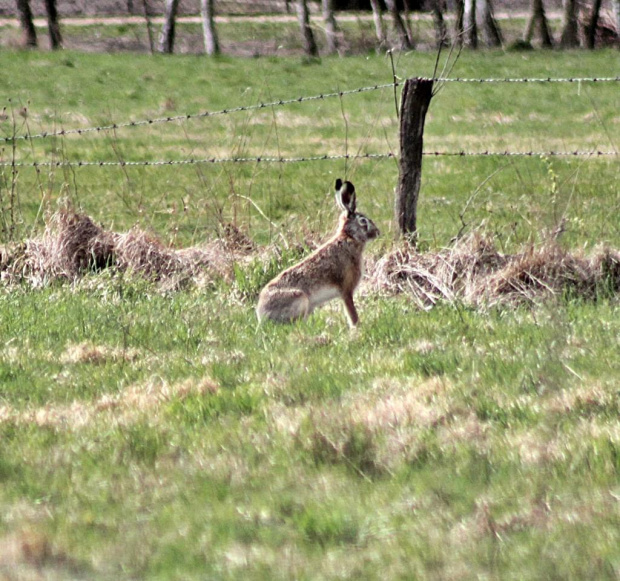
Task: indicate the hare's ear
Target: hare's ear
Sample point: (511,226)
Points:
(345,196)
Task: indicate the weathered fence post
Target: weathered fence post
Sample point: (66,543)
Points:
(415,100)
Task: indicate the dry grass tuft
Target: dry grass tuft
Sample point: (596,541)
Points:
(475,272)
(472,270)
(72,244)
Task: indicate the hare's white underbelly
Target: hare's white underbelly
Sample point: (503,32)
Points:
(323,295)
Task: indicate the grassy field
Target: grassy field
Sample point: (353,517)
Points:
(158,434)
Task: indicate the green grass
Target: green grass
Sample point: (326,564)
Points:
(154,435)
(314,451)
(185,204)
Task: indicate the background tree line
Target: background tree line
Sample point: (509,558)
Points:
(473,23)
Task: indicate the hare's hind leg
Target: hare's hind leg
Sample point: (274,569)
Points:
(283,305)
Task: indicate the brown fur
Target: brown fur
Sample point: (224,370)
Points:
(332,271)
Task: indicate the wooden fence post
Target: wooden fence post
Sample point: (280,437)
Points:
(415,100)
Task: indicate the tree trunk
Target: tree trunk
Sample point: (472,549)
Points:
(570,26)
(407,23)
(459,27)
(212,45)
(53,25)
(441,33)
(29,32)
(149,26)
(379,26)
(490,27)
(331,26)
(469,24)
(538,17)
(616,11)
(166,39)
(303,16)
(405,42)
(415,100)
(593,25)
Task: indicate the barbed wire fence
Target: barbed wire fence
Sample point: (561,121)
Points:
(15,161)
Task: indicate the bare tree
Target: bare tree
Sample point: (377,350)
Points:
(490,27)
(212,45)
(331,26)
(459,24)
(29,32)
(616,10)
(570,25)
(538,17)
(593,24)
(149,25)
(379,26)
(303,16)
(407,22)
(469,24)
(166,39)
(406,43)
(53,25)
(439,23)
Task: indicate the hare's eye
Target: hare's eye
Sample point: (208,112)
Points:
(363,221)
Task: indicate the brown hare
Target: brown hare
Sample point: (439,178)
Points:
(333,270)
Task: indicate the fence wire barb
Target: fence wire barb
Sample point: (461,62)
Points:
(302,99)
(326,157)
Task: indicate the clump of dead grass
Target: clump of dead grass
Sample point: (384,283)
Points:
(472,270)
(72,245)
(475,272)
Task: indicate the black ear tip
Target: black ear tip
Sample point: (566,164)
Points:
(350,186)
(338,184)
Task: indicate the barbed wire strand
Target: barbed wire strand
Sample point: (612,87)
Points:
(189,116)
(531,80)
(300,159)
(283,102)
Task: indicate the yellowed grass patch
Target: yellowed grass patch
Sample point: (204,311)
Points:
(88,352)
(125,407)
